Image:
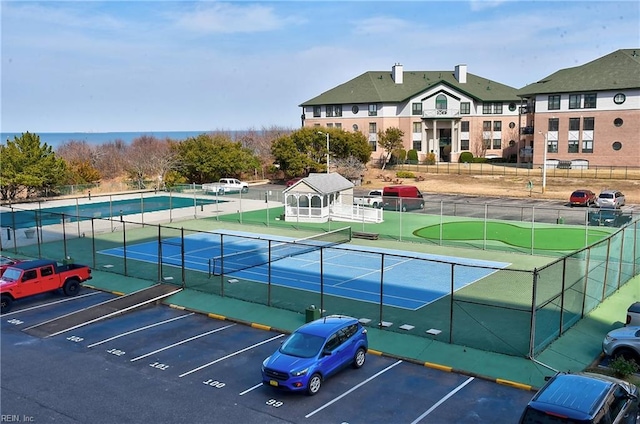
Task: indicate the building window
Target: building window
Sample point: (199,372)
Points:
(329,111)
(338,125)
(512,107)
(573,146)
(486,125)
(464,144)
(497,125)
(464,126)
(553,124)
(619,98)
(486,142)
(497,143)
(512,125)
(417,145)
(618,122)
(373,136)
(355,127)
(317,111)
(587,146)
(355,109)
(588,124)
(616,145)
(497,108)
(465,108)
(590,101)
(486,108)
(416,109)
(329,125)
(441,103)
(552,146)
(338,110)
(574,101)
(373,110)
(554,102)
(417,127)
(574,124)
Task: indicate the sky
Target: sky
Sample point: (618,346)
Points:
(110,66)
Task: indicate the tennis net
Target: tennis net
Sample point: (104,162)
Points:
(234,262)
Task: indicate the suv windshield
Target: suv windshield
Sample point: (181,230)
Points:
(302,345)
(606,195)
(11,274)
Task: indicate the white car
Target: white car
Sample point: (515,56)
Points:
(633,315)
(623,342)
(610,199)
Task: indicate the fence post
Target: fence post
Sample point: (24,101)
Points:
(451,306)
(532,326)
(381,286)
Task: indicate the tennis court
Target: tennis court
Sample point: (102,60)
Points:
(328,262)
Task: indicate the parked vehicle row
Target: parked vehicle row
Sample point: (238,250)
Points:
(606,199)
(394,198)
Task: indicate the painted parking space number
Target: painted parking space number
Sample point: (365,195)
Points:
(15,321)
(274,403)
(159,366)
(214,383)
(116,352)
(75,339)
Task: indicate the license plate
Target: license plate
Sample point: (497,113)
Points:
(273,383)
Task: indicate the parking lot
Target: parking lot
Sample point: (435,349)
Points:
(161,364)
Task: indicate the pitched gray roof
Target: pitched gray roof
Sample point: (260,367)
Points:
(616,71)
(328,183)
(379,87)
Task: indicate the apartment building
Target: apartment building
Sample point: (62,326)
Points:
(440,112)
(588,115)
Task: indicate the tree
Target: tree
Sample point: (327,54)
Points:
(351,168)
(81,159)
(305,150)
(390,140)
(149,158)
(28,166)
(480,145)
(207,158)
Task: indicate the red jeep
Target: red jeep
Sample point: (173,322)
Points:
(40,276)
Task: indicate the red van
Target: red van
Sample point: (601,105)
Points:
(402,198)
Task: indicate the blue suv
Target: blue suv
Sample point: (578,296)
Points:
(314,352)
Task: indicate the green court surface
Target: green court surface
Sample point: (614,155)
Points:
(555,238)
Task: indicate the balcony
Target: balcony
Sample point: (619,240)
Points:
(440,113)
(527,130)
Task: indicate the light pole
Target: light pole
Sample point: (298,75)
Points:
(327,134)
(544,162)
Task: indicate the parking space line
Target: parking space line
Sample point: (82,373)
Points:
(250,389)
(181,342)
(50,303)
(353,389)
(139,329)
(231,354)
(444,399)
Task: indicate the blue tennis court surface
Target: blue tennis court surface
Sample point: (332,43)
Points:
(348,271)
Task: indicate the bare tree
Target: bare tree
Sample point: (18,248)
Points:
(110,158)
(479,145)
(150,159)
(351,168)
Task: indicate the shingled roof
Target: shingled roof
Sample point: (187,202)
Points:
(616,71)
(379,87)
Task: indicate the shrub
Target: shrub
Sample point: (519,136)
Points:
(466,157)
(400,154)
(412,156)
(405,174)
(430,159)
(622,367)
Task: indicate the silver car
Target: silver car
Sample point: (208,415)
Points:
(623,342)
(610,199)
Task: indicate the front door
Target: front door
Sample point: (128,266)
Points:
(444,137)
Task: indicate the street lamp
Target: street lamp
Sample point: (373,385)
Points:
(327,134)
(544,162)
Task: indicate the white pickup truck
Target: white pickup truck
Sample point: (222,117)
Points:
(373,199)
(226,186)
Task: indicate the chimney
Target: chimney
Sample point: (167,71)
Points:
(461,74)
(396,73)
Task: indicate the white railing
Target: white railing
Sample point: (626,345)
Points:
(441,113)
(355,213)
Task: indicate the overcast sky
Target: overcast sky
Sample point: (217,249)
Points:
(81,66)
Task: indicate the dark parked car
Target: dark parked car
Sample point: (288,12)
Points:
(314,352)
(582,198)
(583,398)
(609,217)
(293,181)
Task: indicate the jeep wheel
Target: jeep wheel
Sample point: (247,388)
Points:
(71,287)
(5,301)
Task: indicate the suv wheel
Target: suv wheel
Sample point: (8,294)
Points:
(315,382)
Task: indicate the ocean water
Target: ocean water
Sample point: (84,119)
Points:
(97,138)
